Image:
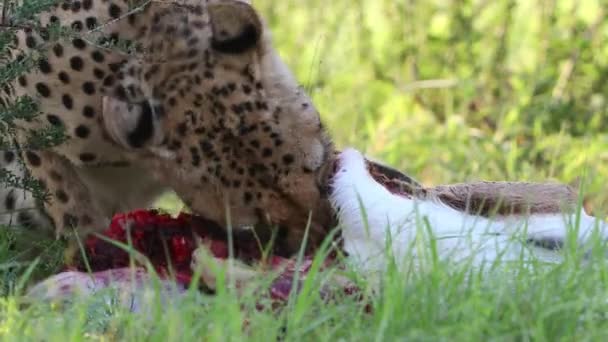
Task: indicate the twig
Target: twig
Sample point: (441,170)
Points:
(429,84)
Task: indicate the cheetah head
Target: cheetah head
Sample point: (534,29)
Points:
(211,108)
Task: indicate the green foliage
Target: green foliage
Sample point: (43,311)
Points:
(18,249)
(23,11)
(436,301)
(23,109)
(25,183)
(457,90)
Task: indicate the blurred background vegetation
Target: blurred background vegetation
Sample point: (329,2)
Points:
(457,90)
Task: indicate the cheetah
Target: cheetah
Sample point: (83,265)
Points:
(203,105)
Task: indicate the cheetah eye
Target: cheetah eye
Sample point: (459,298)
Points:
(239,44)
(132,125)
(236,27)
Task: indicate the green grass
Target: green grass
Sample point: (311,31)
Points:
(447,91)
(434,301)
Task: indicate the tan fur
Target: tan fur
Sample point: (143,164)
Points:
(506,198)
(205,107)
(483,198)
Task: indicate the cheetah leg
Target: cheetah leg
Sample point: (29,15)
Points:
(70,205)
(18,207)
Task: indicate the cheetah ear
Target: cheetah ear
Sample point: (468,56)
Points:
(236,26)
(132,125)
